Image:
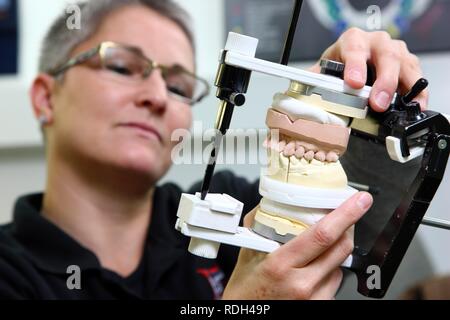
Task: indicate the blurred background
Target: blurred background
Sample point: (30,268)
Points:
(422,23)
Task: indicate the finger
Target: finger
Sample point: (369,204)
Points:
(386,57)
(355,74)
(410,73)
(329,53)
(354,51)
(315,68)
(314,241)
(333,258)
(250,218)
(247,255)
(328,288)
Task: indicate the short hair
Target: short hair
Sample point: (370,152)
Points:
(60,40)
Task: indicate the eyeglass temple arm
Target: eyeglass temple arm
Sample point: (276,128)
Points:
(74,61)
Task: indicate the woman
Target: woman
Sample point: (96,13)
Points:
(108,98)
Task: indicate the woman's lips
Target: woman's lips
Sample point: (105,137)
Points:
(144,128)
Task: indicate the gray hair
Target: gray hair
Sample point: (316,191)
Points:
(60,41)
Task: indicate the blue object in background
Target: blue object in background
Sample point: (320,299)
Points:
(8,37)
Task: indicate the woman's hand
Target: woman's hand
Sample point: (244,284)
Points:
(307,267)
(396,67)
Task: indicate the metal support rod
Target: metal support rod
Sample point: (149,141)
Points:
(291,33)
(436,223)
(222,124)
(362,187)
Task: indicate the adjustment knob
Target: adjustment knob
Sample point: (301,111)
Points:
(413,111)
(332,68)
(418,87)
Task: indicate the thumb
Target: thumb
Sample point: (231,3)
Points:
(315,68)
(250,217)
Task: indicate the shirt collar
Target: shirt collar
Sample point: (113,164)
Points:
(49,247)
(53,250)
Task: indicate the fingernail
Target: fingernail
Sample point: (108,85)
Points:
(364,201)
(356,75)
(383,100)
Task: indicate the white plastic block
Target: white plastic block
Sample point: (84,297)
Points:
(301,196)
(393,146)
(204,248)
(223,203)
(241,44)
(217,212)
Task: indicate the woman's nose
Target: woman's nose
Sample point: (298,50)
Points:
(153,93)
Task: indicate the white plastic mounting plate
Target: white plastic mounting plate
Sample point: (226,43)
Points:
(301,196)
(309,78)
(198,221)
(241,51)
(394,150)
(243,238)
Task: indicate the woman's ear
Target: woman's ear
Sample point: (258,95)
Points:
(41,92)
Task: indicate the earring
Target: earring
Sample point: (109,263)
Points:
(43,120)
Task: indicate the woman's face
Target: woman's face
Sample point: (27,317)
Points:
(97,120)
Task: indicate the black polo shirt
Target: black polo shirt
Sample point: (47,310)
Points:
(36,256)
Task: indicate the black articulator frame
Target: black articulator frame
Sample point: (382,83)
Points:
(403,120)
(232,84)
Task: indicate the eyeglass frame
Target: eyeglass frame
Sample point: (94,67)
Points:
(152,65)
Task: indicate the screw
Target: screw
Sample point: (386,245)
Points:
(442,144)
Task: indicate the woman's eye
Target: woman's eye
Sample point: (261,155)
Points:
(177,90)
(120,70)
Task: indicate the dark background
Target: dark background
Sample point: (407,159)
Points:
(268,21)
(8,37)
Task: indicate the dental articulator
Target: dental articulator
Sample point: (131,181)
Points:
(311,124)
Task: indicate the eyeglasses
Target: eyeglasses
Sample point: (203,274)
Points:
(129,64)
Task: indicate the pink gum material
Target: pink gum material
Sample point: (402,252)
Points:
(326,136)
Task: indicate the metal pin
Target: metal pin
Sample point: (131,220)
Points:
(442,144)
(436,223)
(362,187)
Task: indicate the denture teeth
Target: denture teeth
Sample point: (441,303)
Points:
(332,157)
(309,155)
(300,152)
(289,150)
(308,146)
(320,156)
(266,143)
(281,146)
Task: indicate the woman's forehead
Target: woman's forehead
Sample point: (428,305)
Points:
(158,37)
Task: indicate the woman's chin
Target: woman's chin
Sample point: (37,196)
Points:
(146,163)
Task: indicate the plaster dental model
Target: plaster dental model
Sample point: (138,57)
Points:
(304,148)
